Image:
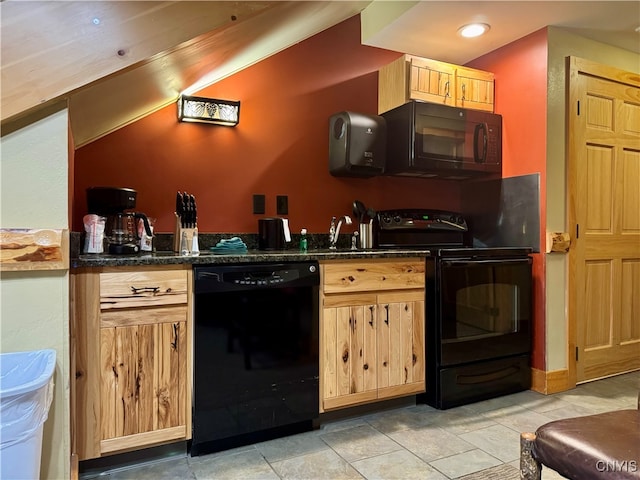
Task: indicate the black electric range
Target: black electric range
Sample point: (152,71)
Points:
(478,306)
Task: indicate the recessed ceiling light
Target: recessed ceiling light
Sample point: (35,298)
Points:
(473,30)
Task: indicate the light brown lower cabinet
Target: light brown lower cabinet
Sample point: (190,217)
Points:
(372,331)
(131,339)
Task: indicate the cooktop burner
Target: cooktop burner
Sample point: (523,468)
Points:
(420,228)
(421,219)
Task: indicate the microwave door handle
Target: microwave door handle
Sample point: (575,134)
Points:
(476,134)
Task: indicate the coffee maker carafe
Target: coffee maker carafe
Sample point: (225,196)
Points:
(121,226)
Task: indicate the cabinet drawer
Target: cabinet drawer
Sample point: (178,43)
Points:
(375,275)
(143,288)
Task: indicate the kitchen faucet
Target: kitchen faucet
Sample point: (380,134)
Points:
(334,230)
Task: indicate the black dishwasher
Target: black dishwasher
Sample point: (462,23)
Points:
(255,353)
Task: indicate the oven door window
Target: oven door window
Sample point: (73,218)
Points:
(485,308)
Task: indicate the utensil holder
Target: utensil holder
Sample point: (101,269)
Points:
(178,232)
(366,234)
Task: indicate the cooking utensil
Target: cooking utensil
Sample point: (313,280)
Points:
(359,210)
(179,204)
(193,211)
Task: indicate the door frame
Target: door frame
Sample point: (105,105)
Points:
(574,67)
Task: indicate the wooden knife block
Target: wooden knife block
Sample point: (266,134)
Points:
(178,232)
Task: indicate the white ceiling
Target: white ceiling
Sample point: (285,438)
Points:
(429,28)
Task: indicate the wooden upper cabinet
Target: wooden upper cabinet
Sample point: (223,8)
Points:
(474,89)
(415,78)
(431,81)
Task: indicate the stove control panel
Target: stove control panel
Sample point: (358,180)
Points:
(420,219)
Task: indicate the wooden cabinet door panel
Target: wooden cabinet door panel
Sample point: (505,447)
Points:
(119,378)
(401,341)
(147,342)
(170,367)
(474,89)
(432,81)
(419,353)
(349,364)
(143,377)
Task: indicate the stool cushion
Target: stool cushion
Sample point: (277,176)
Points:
(606,445)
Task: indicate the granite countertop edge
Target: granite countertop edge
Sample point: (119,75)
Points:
(252,256)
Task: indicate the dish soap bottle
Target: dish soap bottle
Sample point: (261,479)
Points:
(303,240)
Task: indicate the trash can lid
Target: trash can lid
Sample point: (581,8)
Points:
(22,372)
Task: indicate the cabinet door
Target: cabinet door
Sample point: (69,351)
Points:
(400,345)
(144,380)
(393,84)
(474,89)
(432,81)
(348,373)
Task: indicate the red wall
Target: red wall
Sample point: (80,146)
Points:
(280,146)
(520,70)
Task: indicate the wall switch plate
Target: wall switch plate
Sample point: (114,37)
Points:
(282,205)
(258,203)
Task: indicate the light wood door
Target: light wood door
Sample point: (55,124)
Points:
(604,204)
(432,81)
(349,352)
(400,341)
(372,347)
(144,376)
(474,89)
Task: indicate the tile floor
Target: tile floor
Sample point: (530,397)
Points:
(477,441)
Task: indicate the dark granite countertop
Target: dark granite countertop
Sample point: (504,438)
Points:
(252,256)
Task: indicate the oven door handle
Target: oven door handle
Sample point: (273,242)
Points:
(493,261)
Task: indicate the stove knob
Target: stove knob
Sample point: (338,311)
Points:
(386,219)
(397,219)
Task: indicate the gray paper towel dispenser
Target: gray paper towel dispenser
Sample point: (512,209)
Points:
(357,144)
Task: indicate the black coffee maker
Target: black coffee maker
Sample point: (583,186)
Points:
(121,227)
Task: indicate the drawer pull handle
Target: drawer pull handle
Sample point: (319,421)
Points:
(145,289)
(371,312)
(386,320)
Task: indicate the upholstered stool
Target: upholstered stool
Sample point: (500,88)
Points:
(605,445)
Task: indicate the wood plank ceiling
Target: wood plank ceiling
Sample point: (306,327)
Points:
(115,62)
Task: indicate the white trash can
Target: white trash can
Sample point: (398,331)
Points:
(26,391)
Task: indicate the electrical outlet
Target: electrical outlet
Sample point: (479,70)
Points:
(282,205)
(258,203)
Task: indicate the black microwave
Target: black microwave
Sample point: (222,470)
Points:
(433,140)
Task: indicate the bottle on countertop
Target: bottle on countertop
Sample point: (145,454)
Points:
(195,247)
(303,240)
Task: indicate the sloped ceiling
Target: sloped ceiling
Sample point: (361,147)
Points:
(117,61)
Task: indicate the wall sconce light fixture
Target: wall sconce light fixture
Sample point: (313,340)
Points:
(208,110)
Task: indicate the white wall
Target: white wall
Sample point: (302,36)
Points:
(34,308)
(562,43)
